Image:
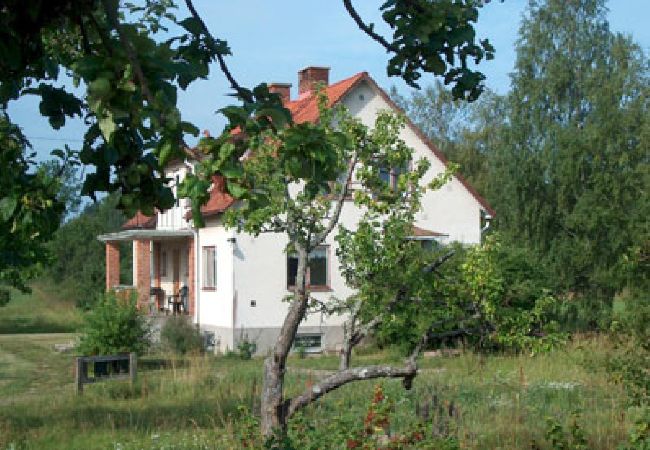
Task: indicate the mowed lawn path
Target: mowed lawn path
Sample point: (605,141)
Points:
(30,367)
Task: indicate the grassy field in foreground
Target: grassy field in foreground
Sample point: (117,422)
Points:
(498,401)
(41,311)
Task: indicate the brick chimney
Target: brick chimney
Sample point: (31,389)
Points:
(282,89)
(311,75)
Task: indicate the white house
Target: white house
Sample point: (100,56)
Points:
(234,282)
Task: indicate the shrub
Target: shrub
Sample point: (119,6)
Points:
(571,437)
(630,363)
(639,438)
(246,348)
(115,325)
(181,336)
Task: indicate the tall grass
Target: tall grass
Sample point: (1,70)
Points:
(487,402)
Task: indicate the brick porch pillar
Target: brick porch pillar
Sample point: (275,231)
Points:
(191,278)
(142,270)
(156,258)
(112,265)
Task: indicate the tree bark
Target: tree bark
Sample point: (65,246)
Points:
(346,349)
(274,406)
(343,377)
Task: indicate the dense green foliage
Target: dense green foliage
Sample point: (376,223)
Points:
(490,296)
(179,335)
(115,325)
(78,267)
(29,209)
(563,157)
(573,165)
(630,363)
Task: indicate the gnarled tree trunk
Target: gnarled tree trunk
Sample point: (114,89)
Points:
(274,407)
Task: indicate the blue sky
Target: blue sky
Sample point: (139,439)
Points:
(272,40)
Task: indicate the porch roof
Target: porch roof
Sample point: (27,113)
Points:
(154,235)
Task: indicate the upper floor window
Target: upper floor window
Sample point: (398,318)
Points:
(317,270)
(209,268)
(390,176)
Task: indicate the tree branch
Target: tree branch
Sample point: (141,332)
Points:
(85,43)
(339,205)
(243,93)
(367,28)
(344,377)
(438,262)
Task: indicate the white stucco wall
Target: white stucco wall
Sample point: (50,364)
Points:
(174,218)
(452,209)
(215,307)
(261,276)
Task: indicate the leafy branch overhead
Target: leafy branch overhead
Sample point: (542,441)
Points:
(432,37)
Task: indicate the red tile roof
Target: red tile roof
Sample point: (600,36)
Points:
(219,201)
(305,109)
(421,232)
(140,221)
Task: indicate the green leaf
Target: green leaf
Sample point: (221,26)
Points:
(107,126)
(232,172)
(7,207)
(192,25)
(100,87)
(236,190)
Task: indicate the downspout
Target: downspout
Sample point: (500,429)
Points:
(488,222)
(197,247)
(233,243)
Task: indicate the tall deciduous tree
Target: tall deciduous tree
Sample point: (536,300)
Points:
(78,264)
(572,165)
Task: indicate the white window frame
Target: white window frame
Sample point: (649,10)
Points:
(205,263)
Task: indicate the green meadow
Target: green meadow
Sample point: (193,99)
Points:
(205,402)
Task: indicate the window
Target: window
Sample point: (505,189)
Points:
(309,343)
(163,264)
(209,268)
(317,272)
(391,176)
(429,244)
(385,175)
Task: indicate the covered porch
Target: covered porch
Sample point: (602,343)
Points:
(163,269)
